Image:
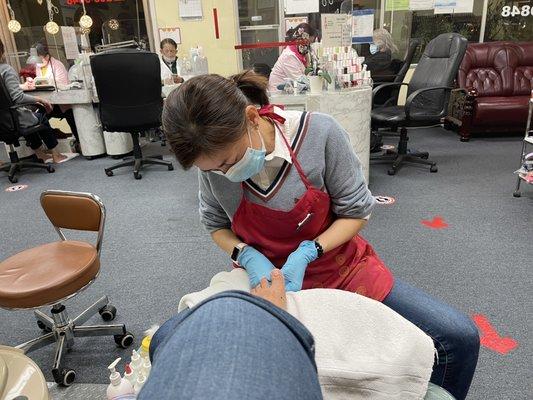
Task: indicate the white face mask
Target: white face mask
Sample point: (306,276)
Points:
(169,59)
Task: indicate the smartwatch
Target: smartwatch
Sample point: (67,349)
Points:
(236,252)
(319,249)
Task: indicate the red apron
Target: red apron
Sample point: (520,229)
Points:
(353,266)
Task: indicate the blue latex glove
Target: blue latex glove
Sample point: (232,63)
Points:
(256,264)
(296,264)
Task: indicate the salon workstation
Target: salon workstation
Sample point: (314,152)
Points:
(265,199)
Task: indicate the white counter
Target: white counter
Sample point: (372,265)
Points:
(350,108)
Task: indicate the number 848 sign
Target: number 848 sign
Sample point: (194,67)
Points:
(524,11)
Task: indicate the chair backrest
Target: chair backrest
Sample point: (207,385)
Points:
(128,83)
(438,66)
(414,44)
(498,68)
(74,210)
(7,125)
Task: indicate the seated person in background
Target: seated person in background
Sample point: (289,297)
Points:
(170,70)
(292,62)
(379,62)
(27,117)
(55,71)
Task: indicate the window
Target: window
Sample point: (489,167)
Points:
(507,20)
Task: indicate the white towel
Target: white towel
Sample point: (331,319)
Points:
(364,350)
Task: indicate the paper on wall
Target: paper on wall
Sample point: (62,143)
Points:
(397,5)
(170,33)
(421,5)
(362,26)
(336,30)
(190,8)
(293,22)
(457,6)
(70,42)
(301,6)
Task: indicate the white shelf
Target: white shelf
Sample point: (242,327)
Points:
(529,139)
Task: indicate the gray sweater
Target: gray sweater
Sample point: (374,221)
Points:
(11,80)
(328,160)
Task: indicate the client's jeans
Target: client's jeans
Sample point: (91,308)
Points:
(232,346)
(35,140)
(455,336)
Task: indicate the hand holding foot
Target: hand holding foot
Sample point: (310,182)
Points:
(275,292)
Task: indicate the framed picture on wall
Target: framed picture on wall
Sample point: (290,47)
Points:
(170,33)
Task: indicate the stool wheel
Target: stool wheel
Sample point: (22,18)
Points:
(391,171)
(50,169)
(137,175)
(125,340)
(108,172)
(171,167)
(108,312)
(433,168)
(64,377)
(517,193)
(43,327)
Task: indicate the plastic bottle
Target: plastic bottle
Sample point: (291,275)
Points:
(130,375)
(147,367)
(144,350)
(119,387)
(139,383)
(136,361)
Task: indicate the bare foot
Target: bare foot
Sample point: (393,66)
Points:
(275,292)
(42,154)
(58,157)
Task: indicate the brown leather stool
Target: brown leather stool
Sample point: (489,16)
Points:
(52,273)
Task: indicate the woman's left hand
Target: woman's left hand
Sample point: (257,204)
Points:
(296,264)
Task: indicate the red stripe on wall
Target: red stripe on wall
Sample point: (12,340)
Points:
(268,44)
(215,17)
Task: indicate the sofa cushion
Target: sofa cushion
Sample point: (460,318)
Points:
(501,110)
(523,71)
(487,81)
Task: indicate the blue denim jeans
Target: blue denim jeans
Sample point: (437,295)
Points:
(232,346)
(455,336)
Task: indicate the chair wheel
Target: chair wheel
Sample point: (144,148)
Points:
(50,169)
(424,157)
(13,179)
(64,377)
(108,172)
(125,340)
(433,168)
(171,167)
(108,312)
(43,327)
(137,175)
(517,193)
(391,171)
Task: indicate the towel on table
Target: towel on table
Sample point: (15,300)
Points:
(364,350)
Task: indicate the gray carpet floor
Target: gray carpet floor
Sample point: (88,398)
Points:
(155,250)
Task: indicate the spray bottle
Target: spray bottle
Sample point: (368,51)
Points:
(119,388)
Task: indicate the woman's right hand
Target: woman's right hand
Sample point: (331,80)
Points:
(47,105)
(256,265)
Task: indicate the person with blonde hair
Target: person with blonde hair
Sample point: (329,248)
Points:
(381,50)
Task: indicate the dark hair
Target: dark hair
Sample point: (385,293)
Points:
(168,41)
(207,113)
(42,49)
(1,49)
(292,33)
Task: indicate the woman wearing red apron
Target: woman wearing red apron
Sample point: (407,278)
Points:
(284,189)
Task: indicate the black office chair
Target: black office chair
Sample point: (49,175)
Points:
(128,83)
(11,131)
(389,95)
(427,98)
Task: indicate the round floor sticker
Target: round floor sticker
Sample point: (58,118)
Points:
(388,147)
(16,188)
(385,200)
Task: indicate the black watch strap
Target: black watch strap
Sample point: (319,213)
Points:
(319,249)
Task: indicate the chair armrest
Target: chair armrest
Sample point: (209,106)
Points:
(37,105)
(413,95)
(388,84)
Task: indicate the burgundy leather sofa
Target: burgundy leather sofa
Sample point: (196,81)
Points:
(496,79)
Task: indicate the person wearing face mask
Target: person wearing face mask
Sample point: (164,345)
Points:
(284,189)
(292,62)
(379,62)
(170,70)
(54,71)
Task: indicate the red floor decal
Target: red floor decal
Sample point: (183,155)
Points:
(435,223)
(492,339)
